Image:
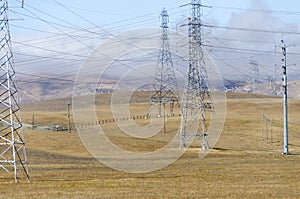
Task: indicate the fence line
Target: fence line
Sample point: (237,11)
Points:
(110,121)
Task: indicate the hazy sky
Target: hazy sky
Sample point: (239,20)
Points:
(56,36)
(106,13)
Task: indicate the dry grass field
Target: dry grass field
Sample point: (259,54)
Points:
(243,164)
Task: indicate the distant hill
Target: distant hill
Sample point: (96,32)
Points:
(40,91)
(274,89)
(34,90)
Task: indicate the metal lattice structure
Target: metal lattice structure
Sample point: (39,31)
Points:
(196,97)
(165,84)
(12,146)
(270,83)
(254,71)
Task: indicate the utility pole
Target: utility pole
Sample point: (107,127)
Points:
(165,84)
(165,118)
(285,97)
(267,126)
(69,115)
(285,100)
(196,97)
(12,146)
(33,121)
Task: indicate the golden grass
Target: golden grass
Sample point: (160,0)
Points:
(242,165)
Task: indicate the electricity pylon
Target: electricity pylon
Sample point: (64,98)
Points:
(12,146)
(165,84)
(254,75)
(270,85)
(196,97)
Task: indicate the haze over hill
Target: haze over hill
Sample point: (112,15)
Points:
(41,90)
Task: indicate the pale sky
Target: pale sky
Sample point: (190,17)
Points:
(48,34)
(106,13)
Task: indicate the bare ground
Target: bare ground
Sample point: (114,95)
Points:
(242,164)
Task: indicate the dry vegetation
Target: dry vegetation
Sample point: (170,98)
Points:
(242,164)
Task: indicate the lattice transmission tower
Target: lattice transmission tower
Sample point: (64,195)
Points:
(197,100)
(12,146)
(254,78)
(270,83)
(165,84)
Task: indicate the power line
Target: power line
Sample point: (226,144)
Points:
(57,34)
(133,22)
(279,12)
(70,25)
(232,66)
(252,30)
(54,51)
